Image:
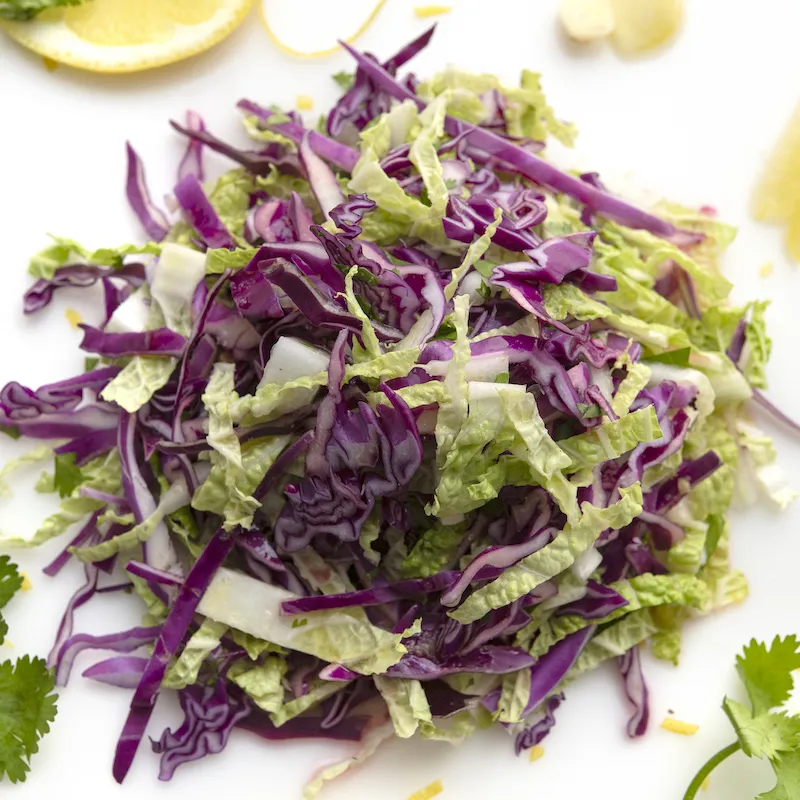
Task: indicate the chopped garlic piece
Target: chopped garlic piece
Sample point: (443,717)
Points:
(587,20)
(26,582)
(304,102)
(676,726)
(766,270)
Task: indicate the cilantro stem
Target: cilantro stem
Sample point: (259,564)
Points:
(709,767)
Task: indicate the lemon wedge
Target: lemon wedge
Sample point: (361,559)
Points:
(793,236)
(641,25)
(776,197)
(129,35)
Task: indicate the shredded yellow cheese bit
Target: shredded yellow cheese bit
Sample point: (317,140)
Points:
(73,317)
(704,784)
(537,751)
(431,11)
(676,726)
(26,582)
(304,102)
(316,53)
(428,792)
(766,270)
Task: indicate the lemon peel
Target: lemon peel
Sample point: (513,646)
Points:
(291,51)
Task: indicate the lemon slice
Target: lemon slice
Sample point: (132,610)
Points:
(641,25)
(129,35)
(316,9)
(776,197)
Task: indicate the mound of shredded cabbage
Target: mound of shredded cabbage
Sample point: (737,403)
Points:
(395,428)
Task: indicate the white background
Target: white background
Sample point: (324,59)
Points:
(693,122)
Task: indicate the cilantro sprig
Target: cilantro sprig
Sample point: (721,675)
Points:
(761,730)
(10,581)
(27,701)
(68,476)
(27,9)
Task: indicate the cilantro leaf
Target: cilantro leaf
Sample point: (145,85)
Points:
(590,410)
(28,9)
(767,674)
(485,267)
(10,580)
(27,707)
(12,431)
(68,476)
(3,630)
(787,771)
(361,274)
(677,358)
(345,79)
(768,734)
(446,331)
